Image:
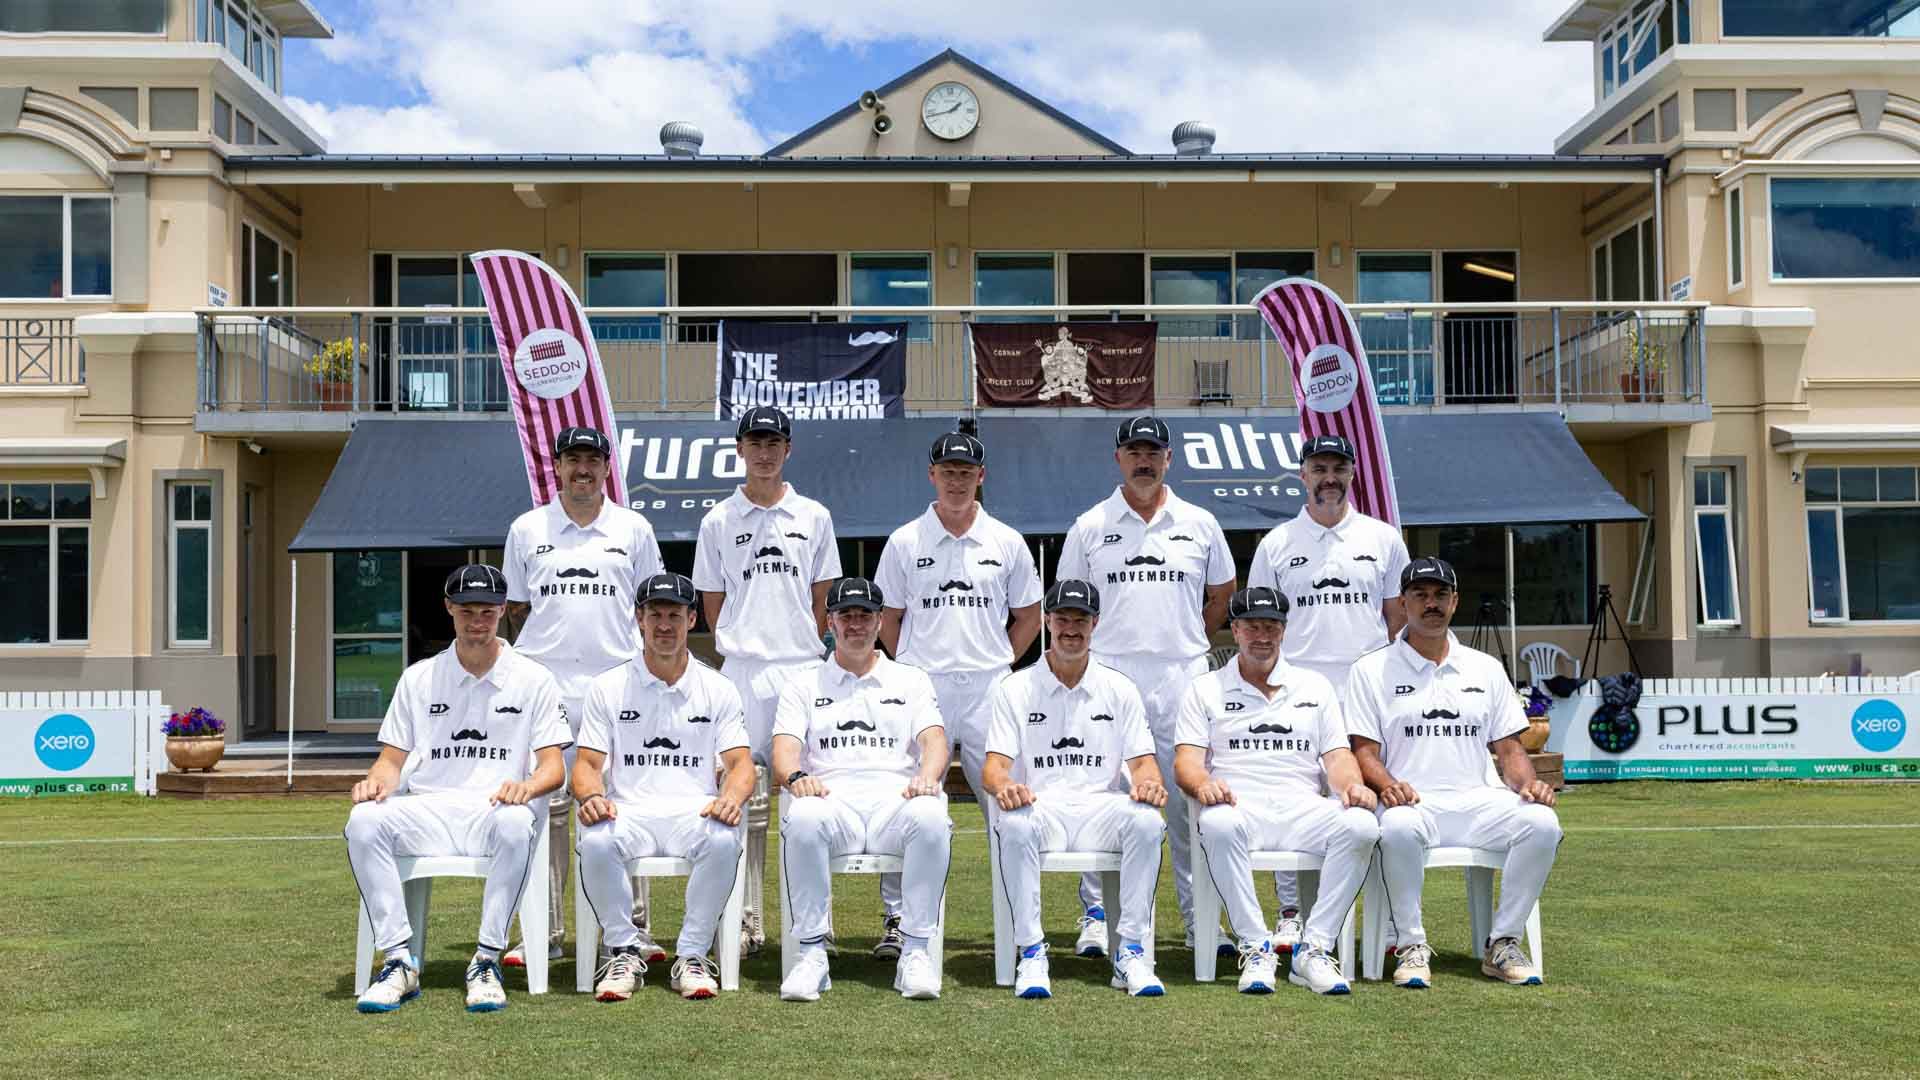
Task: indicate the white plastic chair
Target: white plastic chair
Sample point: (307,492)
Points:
(850,864)
(1479,864)
(417,873)
(1104,863)
(1207,903)
(1543,661)
(587,926)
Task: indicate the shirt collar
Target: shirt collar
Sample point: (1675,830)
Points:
(597,525)
(842,677)
(933,532)
(1117,508)
(1339,528)
(742,506)
(496,675)
(654,682)
(1051,686)
(1282,671)
(1414,662)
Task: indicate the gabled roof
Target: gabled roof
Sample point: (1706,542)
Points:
(950,56)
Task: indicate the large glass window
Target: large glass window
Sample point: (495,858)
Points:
(445,361)
(1845,228)
(1193,279)
(1863,543)
(1625,265)
(190,564)
(58,247)
(1820,18)
(44,563)
(369,625)
(625,280)
(1716,562)
(1638,37)
(1399,344)
(88,17)
(1253,271)
(267,277)
(1552,571)
(1013,279)
(1736,238)
(892,280)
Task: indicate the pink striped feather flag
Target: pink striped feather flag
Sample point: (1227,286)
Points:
(554,377)
(1333,385)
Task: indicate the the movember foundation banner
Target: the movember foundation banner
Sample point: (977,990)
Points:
(1105,365)
(554,377)
(815,371)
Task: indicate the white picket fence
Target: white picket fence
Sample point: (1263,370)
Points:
(149,713)
(1815,684)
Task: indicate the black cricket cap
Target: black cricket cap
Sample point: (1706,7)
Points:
(1327,444)
(768,419)
(1072,594)
(1428,568)
(1143,429)
(1257,602)
(954,446)
(853,592)
(476,583)
(674,588)
(582,438)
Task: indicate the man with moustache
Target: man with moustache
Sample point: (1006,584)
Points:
(1340,572)
(765,557)
(1422,714)
(963,601)
(574,567)
(1165,573)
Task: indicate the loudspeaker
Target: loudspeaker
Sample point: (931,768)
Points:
(871,100)
(882,123)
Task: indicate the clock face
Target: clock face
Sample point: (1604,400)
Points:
(950,111)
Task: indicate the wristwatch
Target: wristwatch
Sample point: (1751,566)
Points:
(795,775)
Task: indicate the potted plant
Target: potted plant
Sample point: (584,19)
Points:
(1536,705)
(332,369)
(195,739)
(1643,365)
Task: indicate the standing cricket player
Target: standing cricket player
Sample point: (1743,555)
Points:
(574,567)
(1164,573)
(765,557)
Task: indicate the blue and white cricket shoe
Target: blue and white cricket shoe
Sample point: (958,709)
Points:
(1133,972)
(1030,979)
(395,985)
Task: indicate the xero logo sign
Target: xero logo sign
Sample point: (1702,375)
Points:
(63,743)
(1879,725)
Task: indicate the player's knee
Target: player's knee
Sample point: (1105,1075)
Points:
(366,823)
(722,839)
(512,824)
(1223,822)
(597,842)
(1359,829)
(1017,828)
(1400,827)
(805,817)
(1145,822)
(1539,826)
(927,815)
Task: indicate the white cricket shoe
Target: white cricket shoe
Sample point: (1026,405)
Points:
(396,984)
(649,949)
(1507,962)
(1093,933)
(1133,972)
(517,956)
(1313,968)
(693,977)
(1030,978)
(620,976)
(808,978)
(1286,932)
(485,991)
(1411,967)
(914,976)
(1259,968)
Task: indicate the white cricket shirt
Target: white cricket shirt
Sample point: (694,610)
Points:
(858,730)
(581,583)
(662,739)
(1264,748)
(1433,721)
(1336,579)
(472,733)
(1152,576)
(1066,742)
(766,559)
(956,592)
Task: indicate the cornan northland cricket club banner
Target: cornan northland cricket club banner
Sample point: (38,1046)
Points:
(1065,365)
(815,371)
(1333,384)
(554,377)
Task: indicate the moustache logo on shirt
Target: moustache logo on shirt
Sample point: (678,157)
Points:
(1331,583)
(699,719)
(795,536)
(989,562)
(1306,704)
(1146,560)
(1068,742)
(1269,729)
(1100,718)
(856,725)
(742,539)
(617,550)
(1439,714)
(1183,536)
(576,571)
(770,552)
(661,743)
(1473,689)
(465,734)
(952,585)
(893,701)
(1365,558)
(508,709)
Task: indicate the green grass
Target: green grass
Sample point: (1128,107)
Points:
(1757,952)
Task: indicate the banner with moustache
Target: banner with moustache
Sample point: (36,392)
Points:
(815,371)
(1332,384)
(1106,365)
(554,375)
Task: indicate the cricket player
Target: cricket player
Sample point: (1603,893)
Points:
(1422,714)
(1165,573)
(1258,738)
(470,747)
(963,602)
(1340,571)
(1070,767)
(765,557)
(655,729)
(858,743)
(573,569)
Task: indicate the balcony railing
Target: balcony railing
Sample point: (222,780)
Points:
(443,360)
(40,352)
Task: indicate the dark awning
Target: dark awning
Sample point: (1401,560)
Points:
(419,483)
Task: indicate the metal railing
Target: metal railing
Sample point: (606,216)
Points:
(40,352)
(444,360)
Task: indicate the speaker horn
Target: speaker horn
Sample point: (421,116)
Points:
(871,101)
(882,123)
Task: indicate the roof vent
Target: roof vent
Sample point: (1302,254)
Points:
(1191,138)
(681,139)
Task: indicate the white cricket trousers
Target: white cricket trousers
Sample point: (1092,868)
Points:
(759,683)
(874,821)
(444,823)
(1488,817)
(1100,821)
(965,707)
(1286,885)
(670,827)
(1162,684)
(1344,837)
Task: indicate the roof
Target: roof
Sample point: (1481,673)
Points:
(1584,19)
(972,68)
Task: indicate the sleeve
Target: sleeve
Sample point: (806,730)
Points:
(1505,717)
(1397,560)
(708,574)
(1003,727)
(646,554)
(1362,712)
(1260,570)
(1075,554)
(1023,578)
(1130,715)
(1220,569)
(826,551)
(891,575)
(794,711)
(596,720)
(549,726)
(729,718)
(513,564)
(1192,726)
(396,730)
(926,704)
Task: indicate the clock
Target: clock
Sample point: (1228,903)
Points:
(950,110)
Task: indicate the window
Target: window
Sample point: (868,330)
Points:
(1193,279)
(243,130)
(1863,544)
(222,118)
(1107,277)
(44,564)
(1861,228)
(59,247)
(1553,577)
(1253,271)
(1013,280)
(266,272)
(622,280)
(1625,267)
(1399,343)
(173,109)
(1820,18)
(369,625)
(94,17)
(1717,567)
(189,564)
(1639,37)
(1736,238)
(124,100)
(885,280)
(446,361)
(1640,605)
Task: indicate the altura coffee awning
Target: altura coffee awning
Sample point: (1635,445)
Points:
(419,483)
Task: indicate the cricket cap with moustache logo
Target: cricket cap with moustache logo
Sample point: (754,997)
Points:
(476,583)
(672,588)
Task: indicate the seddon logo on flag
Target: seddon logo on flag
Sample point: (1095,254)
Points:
(1332,384)
(554,376)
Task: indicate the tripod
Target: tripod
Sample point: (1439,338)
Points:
(1488,622)
(1602,608)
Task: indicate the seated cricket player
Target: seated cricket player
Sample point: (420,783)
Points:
(1070,767)
(1255,740)
(654,730)
(472,737)
(858,744)
(1422,714)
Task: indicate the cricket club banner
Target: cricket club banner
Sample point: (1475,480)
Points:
(1333,384)
(554,377)
(814,371)
(1065,365)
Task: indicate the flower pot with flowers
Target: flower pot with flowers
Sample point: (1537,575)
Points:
(1535,703)
(1643,364)
(332,370)
(195,739)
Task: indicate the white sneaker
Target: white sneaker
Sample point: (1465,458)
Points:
(1410,967)
(1286,932)
(620,976)
(808,978)
(1508,962)
(914,976)
(752,937)
(517,956)
(693,977)
(1259,968)
(1030,979)
(1133,972)
(1314,969)
(1093,933)
(396,984)
(485,992)
(649,949)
